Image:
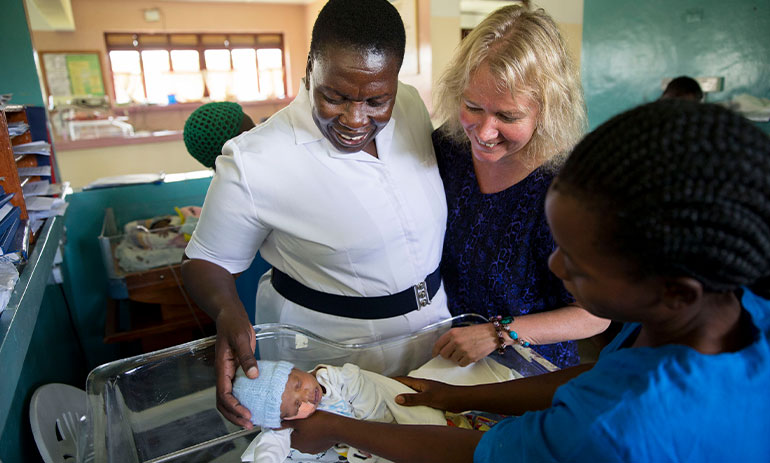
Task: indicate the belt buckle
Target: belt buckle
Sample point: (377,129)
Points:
(421,294)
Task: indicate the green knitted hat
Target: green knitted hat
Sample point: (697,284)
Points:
(209,127)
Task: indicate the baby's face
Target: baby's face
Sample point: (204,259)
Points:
(301,388)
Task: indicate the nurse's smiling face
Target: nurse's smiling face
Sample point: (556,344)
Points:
(352,94)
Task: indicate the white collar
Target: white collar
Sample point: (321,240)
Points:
(306,130)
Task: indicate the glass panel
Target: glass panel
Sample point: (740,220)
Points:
(127,76)
(217,60)
(271,72)
(156,75)
(187,86)
(186,80)
(140,408)
(125,61)
(245,82)
(185,60)
(270,58)
(219,78)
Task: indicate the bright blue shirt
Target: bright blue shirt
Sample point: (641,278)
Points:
(496,247)
(644,404)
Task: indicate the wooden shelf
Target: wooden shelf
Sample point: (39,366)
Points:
(9,177)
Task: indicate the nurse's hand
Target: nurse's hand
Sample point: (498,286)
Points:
(234,346)
(315,433)
(467,344)
(432,394)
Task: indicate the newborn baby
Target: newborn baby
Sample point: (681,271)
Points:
(282,392)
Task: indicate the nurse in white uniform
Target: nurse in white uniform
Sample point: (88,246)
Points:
(339,192)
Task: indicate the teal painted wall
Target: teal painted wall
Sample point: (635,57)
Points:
(53,357)
(85,280)
(18,74)
(64,349)
(630,45)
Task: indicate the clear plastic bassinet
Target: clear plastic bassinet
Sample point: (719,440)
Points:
(160,407)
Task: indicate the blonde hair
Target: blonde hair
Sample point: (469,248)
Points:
(527,56)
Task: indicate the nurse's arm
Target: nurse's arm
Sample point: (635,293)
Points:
(395,442)
(213,289)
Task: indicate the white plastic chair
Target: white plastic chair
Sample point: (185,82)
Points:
(54,415)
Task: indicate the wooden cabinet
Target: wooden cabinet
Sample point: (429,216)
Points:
(9,177)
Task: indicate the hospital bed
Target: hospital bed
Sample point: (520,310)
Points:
(160,407)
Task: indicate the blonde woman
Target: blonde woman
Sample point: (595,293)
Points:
(512,107)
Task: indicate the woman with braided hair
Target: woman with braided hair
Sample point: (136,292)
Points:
(512,107)
(662,220)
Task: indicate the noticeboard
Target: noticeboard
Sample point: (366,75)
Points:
(70,75)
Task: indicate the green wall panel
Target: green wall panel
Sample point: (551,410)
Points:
(53,357)
(85,280)
(18,74)
(629,46)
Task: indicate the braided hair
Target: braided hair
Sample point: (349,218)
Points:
(361,25)
(680,189)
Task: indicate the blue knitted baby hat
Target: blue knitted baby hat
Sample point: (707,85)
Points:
(262,396)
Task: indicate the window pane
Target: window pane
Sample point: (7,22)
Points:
(187,86)
(125,61)
(245,82)
(127,76)
(269,58)
(271,73)
(155,61)
(217,60)
(185,60)
(156,73)
(186,80)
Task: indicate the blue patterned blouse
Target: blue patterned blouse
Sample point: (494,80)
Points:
(496,248)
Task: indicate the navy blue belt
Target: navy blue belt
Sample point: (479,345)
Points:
(366,308)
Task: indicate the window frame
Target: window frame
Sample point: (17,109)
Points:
(200,46)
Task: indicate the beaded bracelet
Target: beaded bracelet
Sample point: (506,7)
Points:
(503,324)
(499,331)
(506,322)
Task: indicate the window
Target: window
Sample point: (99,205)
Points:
(168,68)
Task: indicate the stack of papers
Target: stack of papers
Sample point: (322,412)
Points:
(4,99)
(36,147)
(17,128)
(129,179)
(37,171)
(39,205)
(8,278)
(42,207)
(43,188)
